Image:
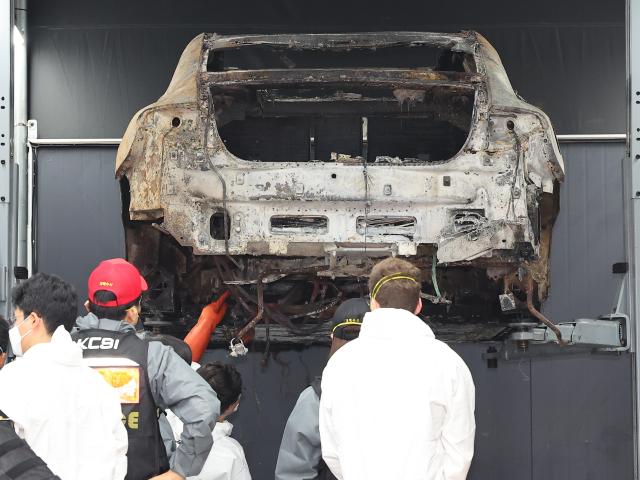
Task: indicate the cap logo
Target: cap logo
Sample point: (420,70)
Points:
(106,284)
(348,321)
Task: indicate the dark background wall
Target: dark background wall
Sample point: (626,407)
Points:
(588,237)
(92,65)
(550,418)
(541,419)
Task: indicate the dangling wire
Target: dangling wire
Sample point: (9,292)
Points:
(217,172)
(366,204)
(434,278)
(365,172)
(511,205)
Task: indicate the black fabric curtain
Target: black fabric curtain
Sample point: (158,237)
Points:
(93,65)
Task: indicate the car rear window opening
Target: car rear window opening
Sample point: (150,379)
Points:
(292,120)
(254,57)
(328,124)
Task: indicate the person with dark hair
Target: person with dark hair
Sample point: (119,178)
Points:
(64,410)
(430,427)
(300,455)
(148,375)
(226,460)
(15,454)
(4,341)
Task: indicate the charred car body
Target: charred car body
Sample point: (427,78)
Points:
(282,167)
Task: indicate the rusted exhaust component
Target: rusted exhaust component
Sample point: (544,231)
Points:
(276,312)
(236,346)
(540,316)
(259,314)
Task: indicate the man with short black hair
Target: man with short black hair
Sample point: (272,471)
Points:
(156,377)
(300,455)
(4,341)
(398,371)
(65,411)
(15,453)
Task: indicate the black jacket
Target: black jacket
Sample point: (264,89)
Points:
(17,460)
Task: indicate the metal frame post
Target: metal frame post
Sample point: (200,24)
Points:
(7,167)
(632,200)
(19,59)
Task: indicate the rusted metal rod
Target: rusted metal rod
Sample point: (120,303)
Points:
(391,77)
(259,313)
(97,142)
(541,317)
(263,311)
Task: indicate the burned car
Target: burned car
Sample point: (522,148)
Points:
(281,167)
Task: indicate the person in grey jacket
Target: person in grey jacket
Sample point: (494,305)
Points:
(112,344)
(300,455)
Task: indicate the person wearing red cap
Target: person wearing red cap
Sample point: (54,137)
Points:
(148,375)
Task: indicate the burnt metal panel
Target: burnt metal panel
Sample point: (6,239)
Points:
(78,208)
(588,236)
(181,174)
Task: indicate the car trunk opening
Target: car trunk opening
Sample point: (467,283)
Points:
(301,125)
(409,103)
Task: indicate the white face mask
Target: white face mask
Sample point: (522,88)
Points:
(16,339)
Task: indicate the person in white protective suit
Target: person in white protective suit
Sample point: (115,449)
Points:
(397,403)
(226,461)
(65,411)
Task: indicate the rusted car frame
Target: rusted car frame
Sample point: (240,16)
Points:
(475,190)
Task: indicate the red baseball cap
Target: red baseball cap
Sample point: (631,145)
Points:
(119,277)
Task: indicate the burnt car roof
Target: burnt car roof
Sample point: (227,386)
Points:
(462,41)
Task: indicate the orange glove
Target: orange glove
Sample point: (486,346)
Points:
(199,336)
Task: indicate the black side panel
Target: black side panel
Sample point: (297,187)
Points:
(269,394)
(582,418)
(78,212)
(503,416)
(542,419)
(588,237)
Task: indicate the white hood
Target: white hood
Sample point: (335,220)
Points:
(61,349)
(393,324)
(222,429)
